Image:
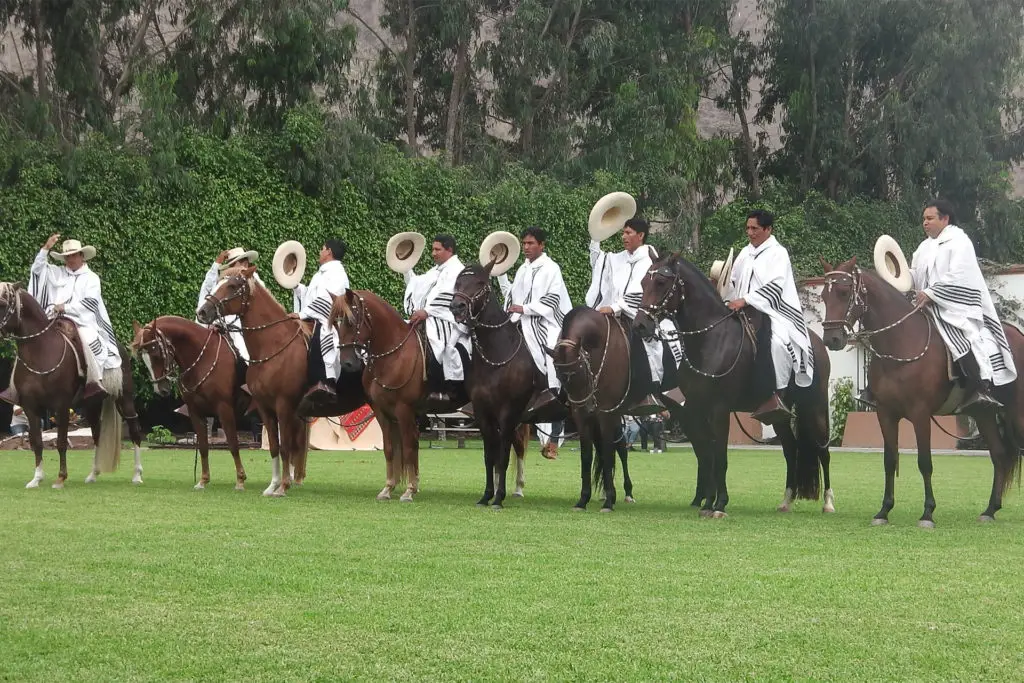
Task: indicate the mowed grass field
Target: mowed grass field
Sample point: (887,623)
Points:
(111,582)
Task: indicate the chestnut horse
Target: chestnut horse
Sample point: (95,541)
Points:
(909,377)
(718,363)
(374,339)
(46,377)
(592,359)
(200,360)
(501,376)
(278,343)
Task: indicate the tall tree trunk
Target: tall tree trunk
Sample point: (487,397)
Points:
(41,89)
(808,172)
(753,174)
(455,98)
(410,79)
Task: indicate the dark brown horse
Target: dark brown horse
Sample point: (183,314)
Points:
(47,378)
(375,340)
(501,376)
(909,377)
(200,360)
(718,364)
(592,359)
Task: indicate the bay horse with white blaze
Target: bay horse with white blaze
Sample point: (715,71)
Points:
(375,339)
(909,376)
(47,376)
(597,397)
(278,344)
(501,376)
(721,355)
(200,360)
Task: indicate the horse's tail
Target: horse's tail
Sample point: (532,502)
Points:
(520,438)
(597,472)
(302,452)
(1012,442)
(809,449)
(108,447)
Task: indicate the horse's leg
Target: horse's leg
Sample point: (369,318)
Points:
(627,483)
(789,445)
(889,425)
(93,412)
(989,430)
(203,444)
(230,425)
(720,434)
(505,437)
(923,433)
(63,418)
(519,443)
(409,433)
(35,439)
(586,462)
(491,438)
(126,406)
(606,451)
(274,441)
(291,440)
(390,478)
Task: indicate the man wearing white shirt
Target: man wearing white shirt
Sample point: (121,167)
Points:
(427,300)
(616,289)
(314,302)
(539,300)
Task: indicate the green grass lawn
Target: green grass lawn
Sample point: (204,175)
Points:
(109,582)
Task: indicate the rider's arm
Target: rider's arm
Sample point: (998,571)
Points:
(209,282)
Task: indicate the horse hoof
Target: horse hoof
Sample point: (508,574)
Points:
(383,496)
(879,521)
(406,498)
(518,494)
(606,509)
(137,479)
(705,513)
(90,479)
(239,487)
(783,507)
(58,484)
(199,487)
(986,518)
(828,508)
(279,492)
(497,506)
(577,508)
(34,484)
(719,514)
(630,499)
(926,524)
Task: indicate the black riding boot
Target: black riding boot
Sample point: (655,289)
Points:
(980,397)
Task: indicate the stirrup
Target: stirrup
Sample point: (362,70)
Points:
(867,398)
(648,405)
(10,395)
(980,400)
(771,411)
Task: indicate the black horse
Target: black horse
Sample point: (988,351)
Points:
(724,355)
(501,376)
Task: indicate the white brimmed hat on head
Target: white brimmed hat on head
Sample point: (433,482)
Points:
(891,264)
(610,214)
(289,264)
(501,247)
(237,254)
(721,273)
(404,251)
(69,247)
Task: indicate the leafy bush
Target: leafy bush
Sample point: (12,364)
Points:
(842,404)
(160,435)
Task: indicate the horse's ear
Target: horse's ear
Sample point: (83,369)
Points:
(18,285)
(136,326)
(825,265)
(248,271)
(550,352)
(853,261)
(489,266)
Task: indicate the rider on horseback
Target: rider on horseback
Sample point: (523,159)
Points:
(616,289)
(946,275)
(230,324)
(73,291)
(540,300)
(762,277)
(314,303)
(427,301)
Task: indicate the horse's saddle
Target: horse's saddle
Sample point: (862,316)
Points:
(69,330)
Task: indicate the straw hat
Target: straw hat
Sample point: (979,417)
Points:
(891,265)
(501,247)
(289,264)
(610,214)
(69,247)
(237,254)
(404,250)
(721,273)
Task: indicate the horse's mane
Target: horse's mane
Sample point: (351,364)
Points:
(10,292)
(694,277)
(891,294)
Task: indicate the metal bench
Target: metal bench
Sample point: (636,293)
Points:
(439,426)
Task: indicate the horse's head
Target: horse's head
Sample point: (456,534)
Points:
(351,318)
(583,337)
(843,296)
(472,288)
(153,347)
(231,297)
(663,294)
(10,306)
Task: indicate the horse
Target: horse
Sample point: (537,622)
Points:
(909,376)
(201,361)
(719,358)
(501,376)
(596,397)
(47,377)
(375,340)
